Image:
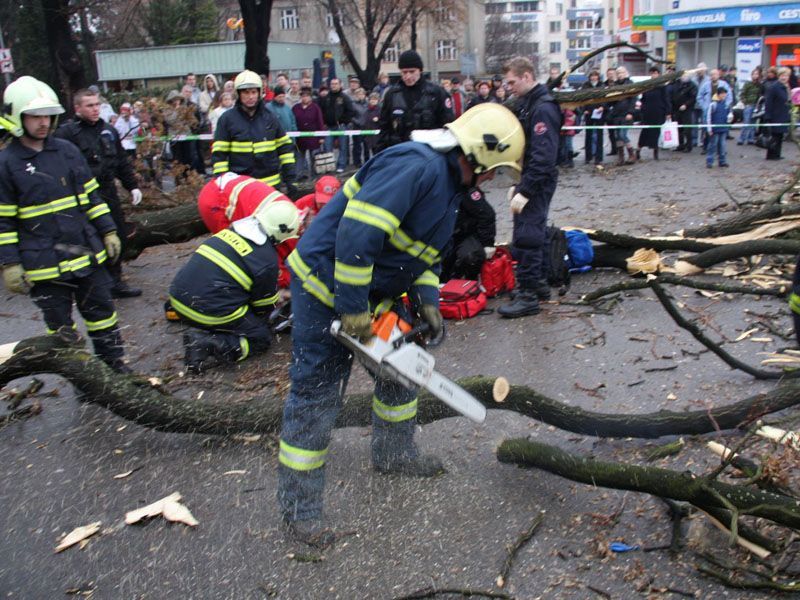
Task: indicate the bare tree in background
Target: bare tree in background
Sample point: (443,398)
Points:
(505,40)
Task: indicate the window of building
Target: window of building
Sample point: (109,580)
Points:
(559,8)
(524,27)
(446,50)
(496,9)
(289,18)
(580,43)
(555,26)
(555,47)
(445,12)
(392,53)
(329,21)
(525,6)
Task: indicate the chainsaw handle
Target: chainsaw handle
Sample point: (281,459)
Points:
(420,329)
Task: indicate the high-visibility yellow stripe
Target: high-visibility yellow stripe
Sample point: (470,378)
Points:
(428,278)
(221,146)
(282,141)
(311,283)
(300,459)
(84,199)
(266,301)
(96,211)
(233,199)
(372,215)
(224,263)
(91,185)
(239,244)
(203,319)
(264,146)
(8,210)
(272,180)
(42,274)
(220,167)
(65,266)
(351,187)
(352,275)
(794,303)
(394,414)
(12,237)
(102,324)
(286,159)
(403,242)
(244,345)
(37,210)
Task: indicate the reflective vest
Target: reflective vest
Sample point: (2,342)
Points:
(225,277)
(51,217)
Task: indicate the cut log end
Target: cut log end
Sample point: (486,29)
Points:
(500,389)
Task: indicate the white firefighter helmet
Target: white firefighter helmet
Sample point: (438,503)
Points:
(247,80)
(279,219)
(30,96)
(490,137)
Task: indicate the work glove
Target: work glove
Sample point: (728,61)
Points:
(518,202)
(291,191)
(113,246)
(431,315)
(358,325)
(14,279)
(136,197)
(489,250)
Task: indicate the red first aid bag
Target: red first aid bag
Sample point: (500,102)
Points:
(497,273)
(461,299)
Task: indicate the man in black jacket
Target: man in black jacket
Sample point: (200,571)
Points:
(413,103)
(594,116)
(684,95)
(473,238)
(100,145)
(621,113)
(337,112)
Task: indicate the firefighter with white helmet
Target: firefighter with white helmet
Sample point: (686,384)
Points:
(249,140)
(229,287)
(56,233)
(379,237)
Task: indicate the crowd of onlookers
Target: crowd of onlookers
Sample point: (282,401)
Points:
(338,105)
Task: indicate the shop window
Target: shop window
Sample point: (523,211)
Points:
(729,32)
(708,33)
(687,35)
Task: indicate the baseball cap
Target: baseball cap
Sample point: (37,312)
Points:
(326,187)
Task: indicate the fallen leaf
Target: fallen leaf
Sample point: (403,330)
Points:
(78,535)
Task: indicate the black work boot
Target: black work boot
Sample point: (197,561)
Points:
(424,465)
(525,303)
(198,350)
(122,290)
(312,533)
(543,291)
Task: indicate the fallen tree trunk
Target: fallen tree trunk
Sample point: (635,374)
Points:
(657,243)
(743,222)
(133,398)
(168,226)
(687,487)
(719,254)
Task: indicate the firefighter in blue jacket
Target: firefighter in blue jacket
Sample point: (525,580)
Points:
(250,141)
(55,231)
(380,236)
(230,285)
(530,199)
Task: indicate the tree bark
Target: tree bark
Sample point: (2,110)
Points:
(658,244)
(743,222)
(63,51)
(132,398)
(255,15)
(719,254)
(168,226)
(665,483)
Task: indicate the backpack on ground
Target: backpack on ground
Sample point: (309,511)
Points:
(581,252)
(461,299)
(557,259)
(497,273)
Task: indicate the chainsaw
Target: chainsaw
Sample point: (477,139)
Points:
(393,352)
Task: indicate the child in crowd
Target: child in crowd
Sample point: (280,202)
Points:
(717,127)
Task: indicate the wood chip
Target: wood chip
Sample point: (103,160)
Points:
(78,534)
(178,513)
(246,437)
(746,334)
(151,510)
(579,346)
(763,340)
(124,475)
(236,472)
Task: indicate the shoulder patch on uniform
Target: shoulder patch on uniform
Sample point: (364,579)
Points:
(475,195)
(540,128)
(448,102)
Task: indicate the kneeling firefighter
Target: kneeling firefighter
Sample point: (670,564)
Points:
(229,286)
(379,237)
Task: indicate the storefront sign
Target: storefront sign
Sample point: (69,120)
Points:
(748,56)
(770,14)
(648,22)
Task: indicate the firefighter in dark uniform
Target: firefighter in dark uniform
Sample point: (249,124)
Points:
(230,285)
(413,103)
(380,236)
(473,238)
(100,145)
(55,230)
(249,140)
(530,199)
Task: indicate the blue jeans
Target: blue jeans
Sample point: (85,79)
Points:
(717,143)
(319,372)
(698,118)
(748,133)
(594,142)
(344,146)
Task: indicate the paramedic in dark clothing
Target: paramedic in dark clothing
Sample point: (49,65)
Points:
(56,233)
(100,145)
(473,238)
(412,103)
(530,199)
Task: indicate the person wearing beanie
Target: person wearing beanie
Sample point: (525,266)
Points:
(412,103)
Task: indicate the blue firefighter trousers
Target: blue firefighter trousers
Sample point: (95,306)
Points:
(319,372)
(528,239)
